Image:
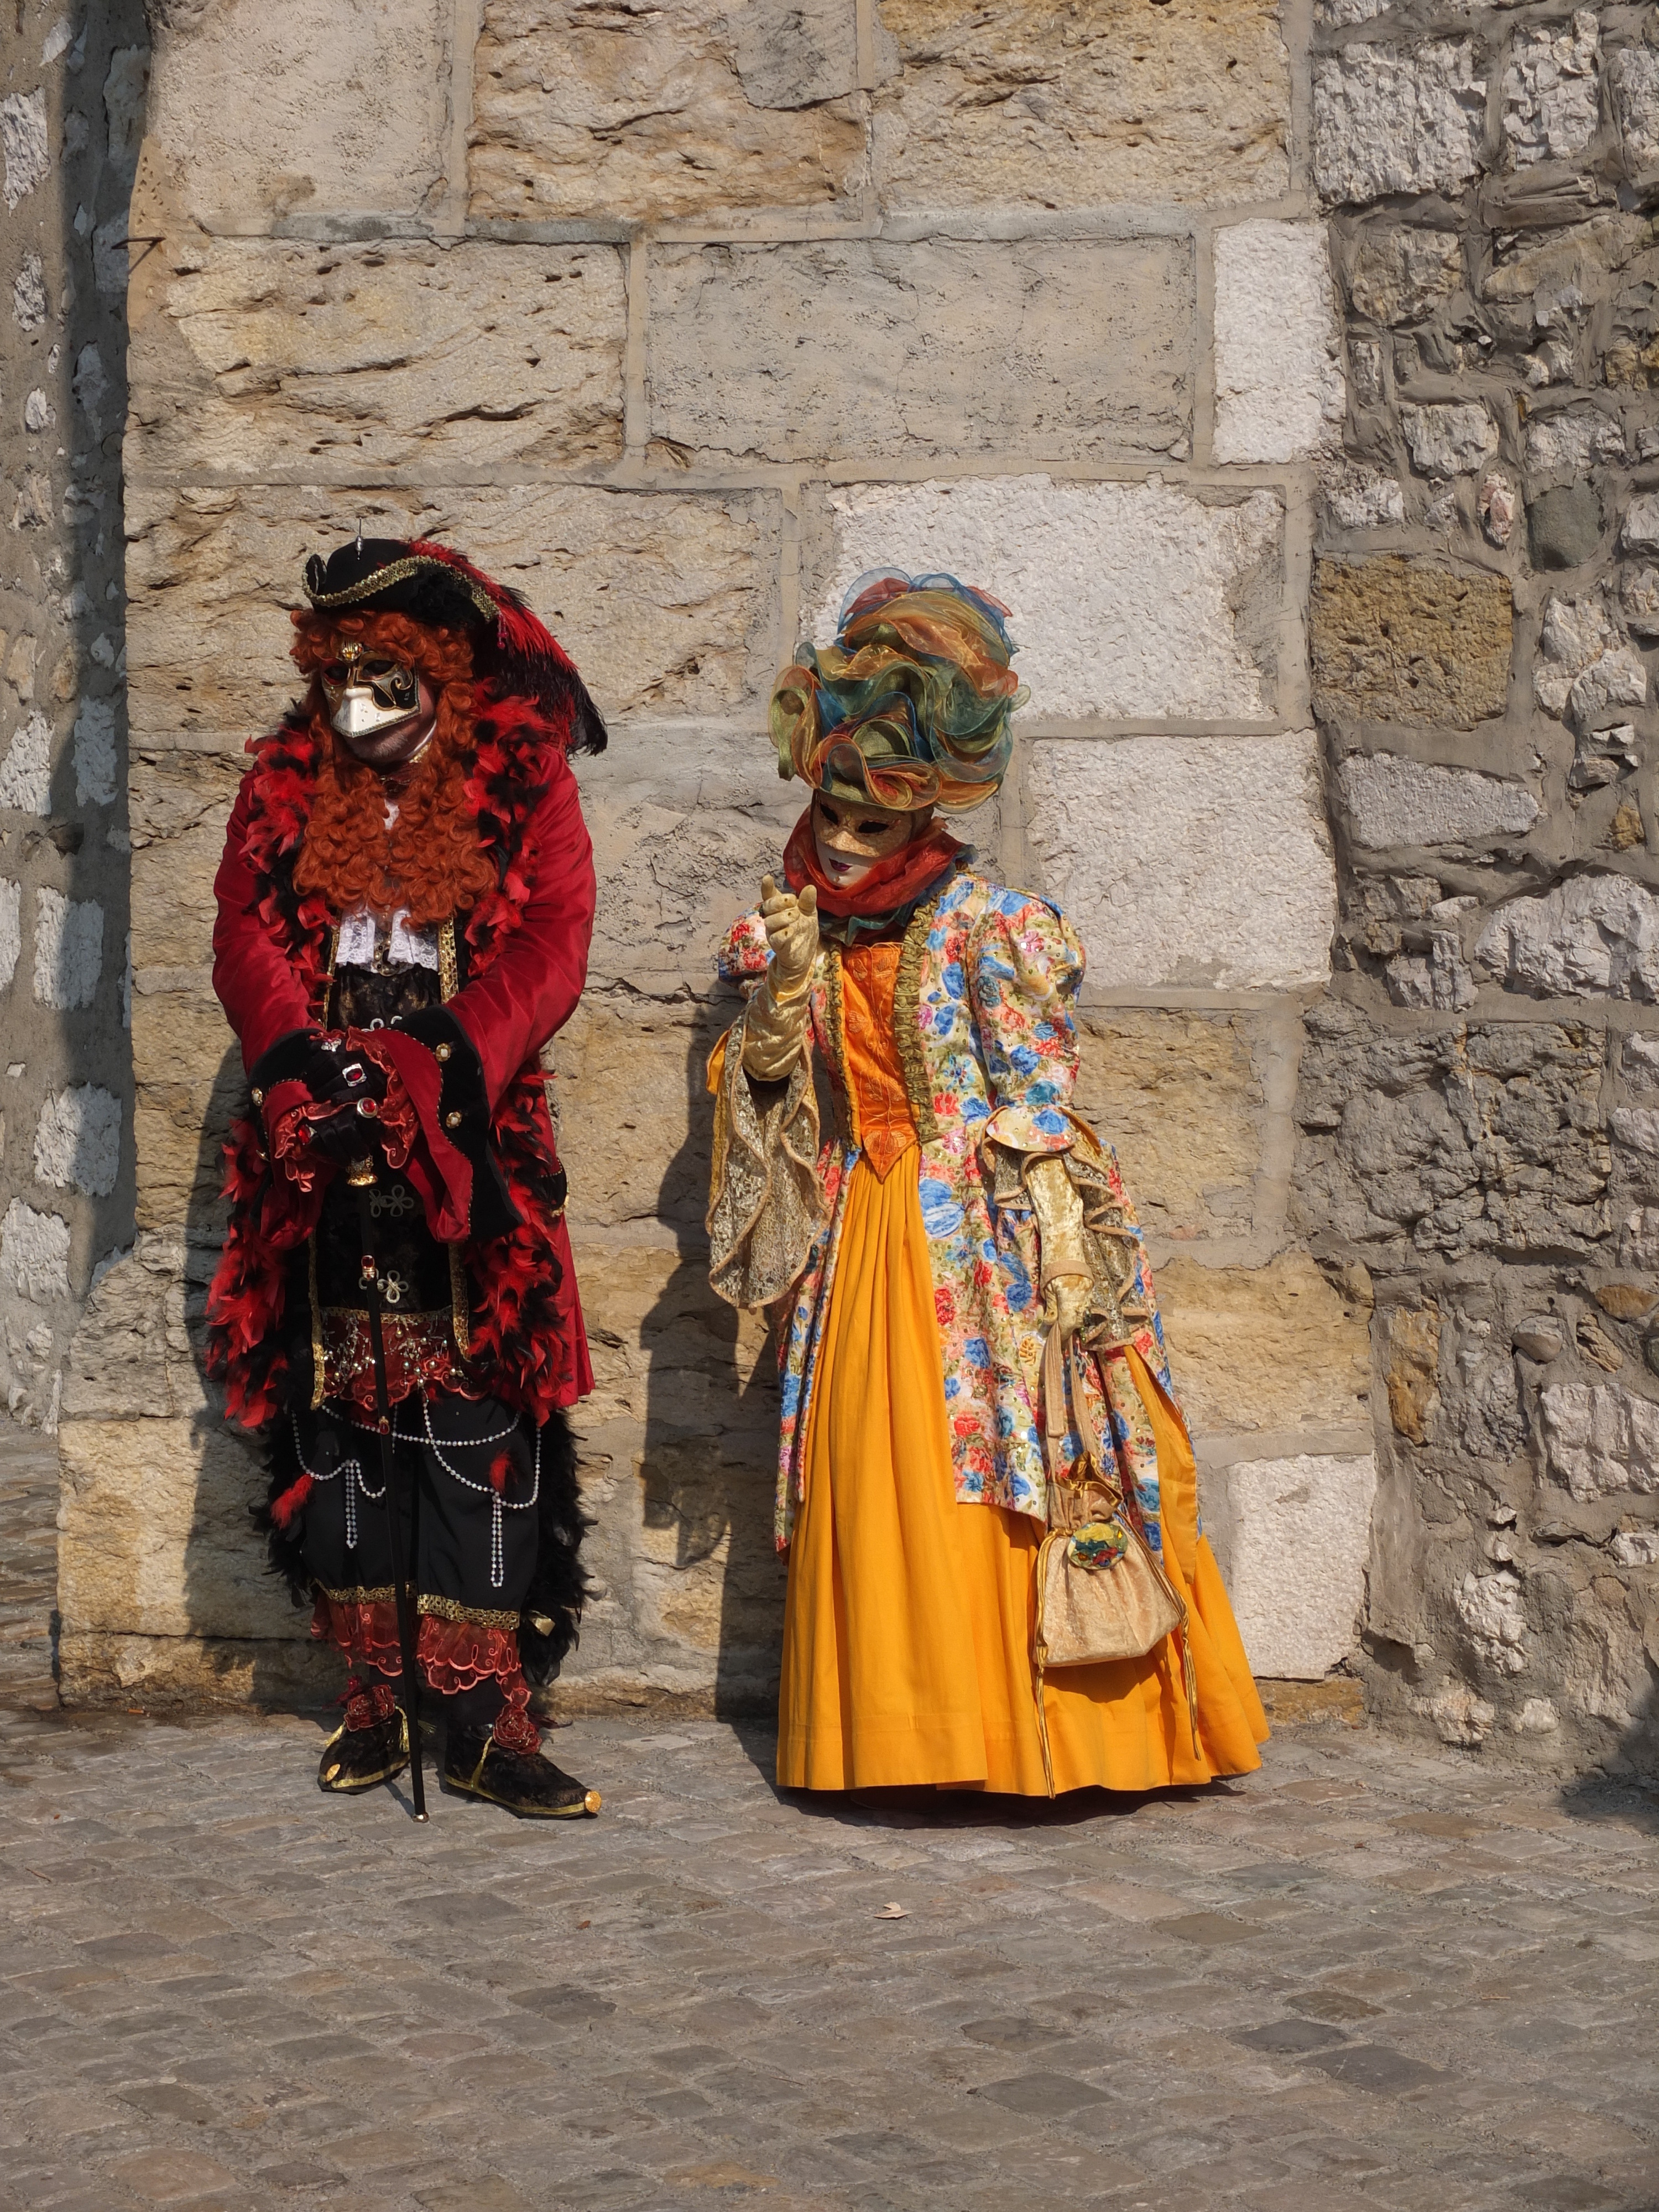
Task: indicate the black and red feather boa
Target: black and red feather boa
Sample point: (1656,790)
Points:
(515,1334)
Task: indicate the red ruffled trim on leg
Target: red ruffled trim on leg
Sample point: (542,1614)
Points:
(451,1655)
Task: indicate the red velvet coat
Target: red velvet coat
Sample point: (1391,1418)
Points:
(524,961)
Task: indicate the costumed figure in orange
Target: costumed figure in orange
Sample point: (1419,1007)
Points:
(984,1481)
(405,903)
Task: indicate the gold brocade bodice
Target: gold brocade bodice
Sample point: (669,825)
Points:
(882,1120)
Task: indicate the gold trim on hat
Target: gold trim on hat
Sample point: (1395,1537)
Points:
(395,571)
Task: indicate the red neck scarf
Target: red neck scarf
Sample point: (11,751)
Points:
(897,881)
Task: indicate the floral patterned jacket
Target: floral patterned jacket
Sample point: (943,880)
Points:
(986,981)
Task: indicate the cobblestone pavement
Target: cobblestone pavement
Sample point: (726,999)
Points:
(1370,1976)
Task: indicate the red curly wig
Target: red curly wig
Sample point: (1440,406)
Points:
(430,860)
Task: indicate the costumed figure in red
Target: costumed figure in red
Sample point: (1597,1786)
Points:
(405,903)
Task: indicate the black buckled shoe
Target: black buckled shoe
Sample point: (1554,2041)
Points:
(372,1745)
(477,1763)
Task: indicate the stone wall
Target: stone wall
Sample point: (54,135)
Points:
(71,112)
(679,320)
(1479,1107)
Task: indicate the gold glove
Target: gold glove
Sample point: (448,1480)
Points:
(1063,1253)
(775,1027)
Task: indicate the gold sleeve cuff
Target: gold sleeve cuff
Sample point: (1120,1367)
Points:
(774,1029)
(1058,1205)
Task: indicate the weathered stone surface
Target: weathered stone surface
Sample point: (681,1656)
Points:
(154,1532)
(188,1072)
(1414,1375)
(1264,1348)
(1396,801)
(317,364)
(1399,640)
(69,949)
(1568,442)
(1389,121)
(180,802)
(1050,349)
(1279,391)
(1453,439)
(1084,107)
(1598,1437)
(644,116)
(1301,1530)
(680,852)
(1550,91)
(1635,1138)
(313,109)
(1563,526)
(679,1460)
(77,1139)
(635,1120)
(1127,600)
(1218,873)
(1401,273)
(1479,1137)
(1592,936)
(131,1357)
(1181,1097)
(194,1674)
(35,1252)
(667,601)
(1362,499)
(1634,82)
(1586,667)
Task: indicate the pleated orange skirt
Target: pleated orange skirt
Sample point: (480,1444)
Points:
(907,1627)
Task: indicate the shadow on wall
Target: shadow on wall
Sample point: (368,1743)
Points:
(74,122)
(255,1645)
(708,1465)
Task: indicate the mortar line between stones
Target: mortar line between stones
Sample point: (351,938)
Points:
(636,424)
(1203,341)
(466,20)
(863,33)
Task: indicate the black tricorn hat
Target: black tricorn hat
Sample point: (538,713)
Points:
(433,584)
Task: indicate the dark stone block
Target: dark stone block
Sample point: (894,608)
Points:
(1291,2035)
(1564,527)
(1044,2096)
(1374,2066)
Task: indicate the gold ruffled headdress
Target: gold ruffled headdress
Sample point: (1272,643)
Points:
(912,705)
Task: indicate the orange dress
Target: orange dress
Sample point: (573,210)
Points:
(908,1626)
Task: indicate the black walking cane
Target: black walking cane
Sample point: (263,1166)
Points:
(361,1177)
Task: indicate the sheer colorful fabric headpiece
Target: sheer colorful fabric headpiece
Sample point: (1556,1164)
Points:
(912,705)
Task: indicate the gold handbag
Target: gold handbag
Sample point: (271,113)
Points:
(1101,1591)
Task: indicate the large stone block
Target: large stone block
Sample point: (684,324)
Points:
(316,108)
(1192,862)
(680,847)
(1480,1137)
(1181,1097)
(1270,1348)
(1278,388)
(667,601)
(193,1674)
(180,805)
(1591,937)
(1388,121)
(1082,107)
(154,1535)
(1399,640)
(188,1074)
(1056,349)
(1393,800)
(644,115)
(319,363)
(1301,1535)
(678,1456)
(1598,1437)
(1128,600)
